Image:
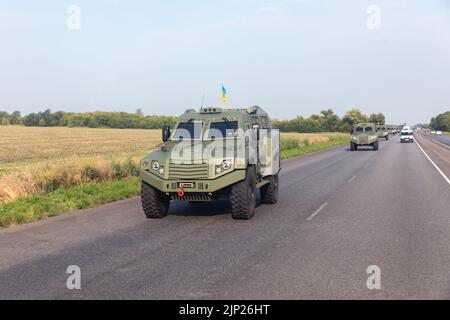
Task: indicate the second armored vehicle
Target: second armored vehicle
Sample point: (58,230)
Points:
(383,132)
(364,134)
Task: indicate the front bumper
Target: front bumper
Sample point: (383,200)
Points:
(193,186)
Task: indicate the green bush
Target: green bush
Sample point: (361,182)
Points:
(287,144)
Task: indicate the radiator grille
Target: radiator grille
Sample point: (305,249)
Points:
(188,171)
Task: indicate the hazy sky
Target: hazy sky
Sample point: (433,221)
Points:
(293,57)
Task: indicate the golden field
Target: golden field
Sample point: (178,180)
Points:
(22,146)
(39,159)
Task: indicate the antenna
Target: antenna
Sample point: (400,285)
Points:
(203,100)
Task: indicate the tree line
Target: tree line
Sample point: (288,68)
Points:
(98,119)
(327,120)
(441,122)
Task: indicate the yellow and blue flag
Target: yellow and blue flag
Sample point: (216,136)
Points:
(224,94)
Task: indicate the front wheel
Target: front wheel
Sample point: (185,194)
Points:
(375,146)
(154,202)
(243,197)
(269,192)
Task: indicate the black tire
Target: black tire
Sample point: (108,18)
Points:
(353,146)
(387,138)
(154,202)
(269,192)
(243,197)
(375,146)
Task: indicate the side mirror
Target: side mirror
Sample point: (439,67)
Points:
(165,133)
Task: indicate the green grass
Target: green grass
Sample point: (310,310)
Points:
(43,205)
(309,148)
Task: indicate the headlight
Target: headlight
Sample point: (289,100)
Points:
(226,165)
(155,165)
(355,138)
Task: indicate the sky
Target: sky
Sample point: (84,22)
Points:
(292,57)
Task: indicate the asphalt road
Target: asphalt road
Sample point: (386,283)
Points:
(442,139)
(339,212)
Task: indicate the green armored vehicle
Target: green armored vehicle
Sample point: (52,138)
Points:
(364,134)
(211,154)
(383,132)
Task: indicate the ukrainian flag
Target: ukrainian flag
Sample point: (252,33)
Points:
(224,94)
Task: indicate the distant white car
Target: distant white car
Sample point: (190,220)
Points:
(439,133)
(406,136)
(433,132)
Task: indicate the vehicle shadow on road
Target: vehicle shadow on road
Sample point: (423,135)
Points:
(359,150)
(206,209)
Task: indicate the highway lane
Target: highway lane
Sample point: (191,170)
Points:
(442,139)
(387,208)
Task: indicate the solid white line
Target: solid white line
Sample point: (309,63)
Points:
(434,164)
(351,180)
(317,211)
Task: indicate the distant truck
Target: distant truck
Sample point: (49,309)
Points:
(211,154)
(364,134)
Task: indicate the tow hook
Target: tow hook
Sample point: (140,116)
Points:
(181,192)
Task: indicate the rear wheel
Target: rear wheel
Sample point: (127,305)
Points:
(154,202)
(243,197)
(269,192)
(375,146)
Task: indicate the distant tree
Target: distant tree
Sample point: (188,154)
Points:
(377,118)
(441,122)
(4,118)
(331,120)
(15,117)
(353,117)
(5,121)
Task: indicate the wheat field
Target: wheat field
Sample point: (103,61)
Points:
(23,146)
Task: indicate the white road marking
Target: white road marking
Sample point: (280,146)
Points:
(351,180)
(317,211)
(434,164)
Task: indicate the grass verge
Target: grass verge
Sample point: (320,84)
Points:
(301,150)
(43,205)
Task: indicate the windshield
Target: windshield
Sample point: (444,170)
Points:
(223,129)
(407,134)
(364,129)
(188,130)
